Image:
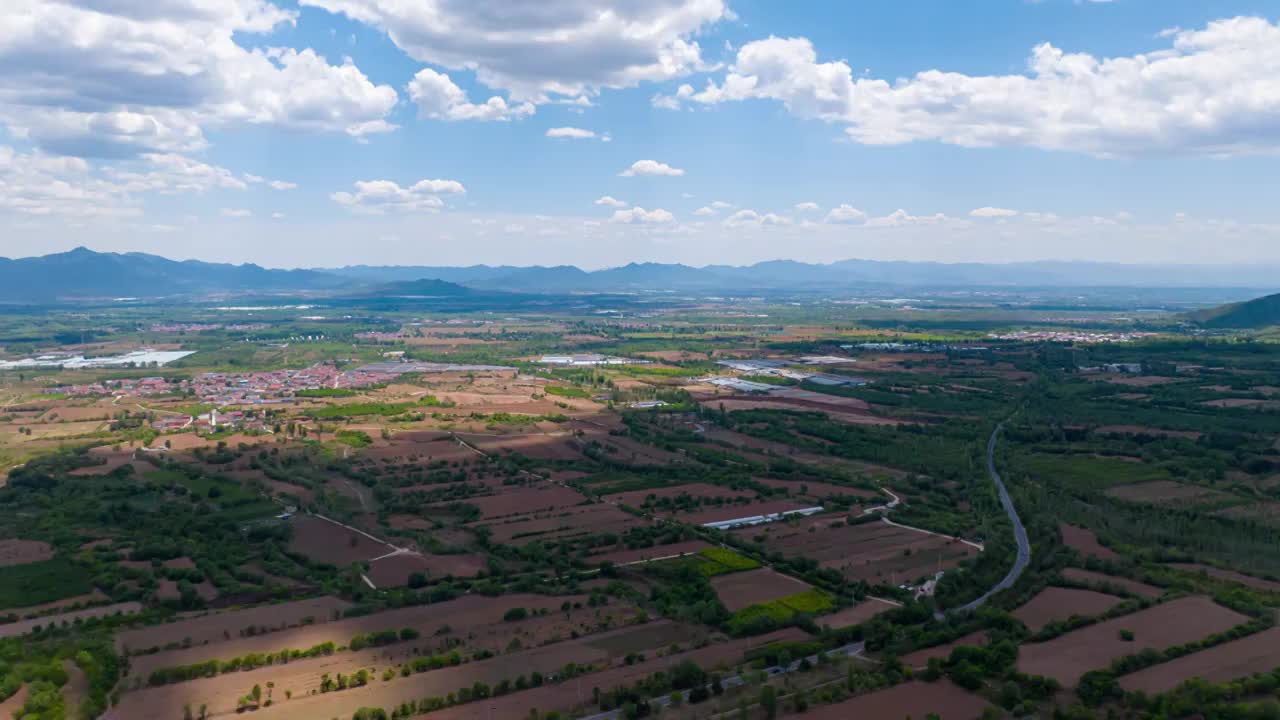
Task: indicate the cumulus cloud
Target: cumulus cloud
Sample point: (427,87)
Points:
(713,208)
(992,212)
(282,185)
(651,168)
(845,214)
(900,218)
(169,174)
(120,78)
(752,218)
(439,98)
(1214,90)
(36,184)
(638,215)
(382,196)
(610,201)
(546,50)
(807,207)
(575,133)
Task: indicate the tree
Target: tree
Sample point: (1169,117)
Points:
(769,701)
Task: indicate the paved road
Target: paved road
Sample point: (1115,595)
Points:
(1019,532)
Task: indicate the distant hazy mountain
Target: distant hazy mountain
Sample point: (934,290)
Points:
(1262,312)
(842,275)
(82,273)
(425,288)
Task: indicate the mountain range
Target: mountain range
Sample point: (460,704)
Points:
(790,275)
(85,274)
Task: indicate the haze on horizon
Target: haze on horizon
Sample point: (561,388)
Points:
(323,133)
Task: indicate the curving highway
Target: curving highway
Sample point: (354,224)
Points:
(1019,532)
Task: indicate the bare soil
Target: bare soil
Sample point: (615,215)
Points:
(215,627)
(624,557)
(22,627)
(875,552)
(1099,579)
(744,589)
(857,614)
(21,552)
(1085,542)
(1067,657)
(908,700)
(1055,603)
(1229,576)
(326,542)
(1219,664)
(517,500)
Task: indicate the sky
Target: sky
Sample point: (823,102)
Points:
(321,133)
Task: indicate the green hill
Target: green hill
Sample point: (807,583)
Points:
(1262,312)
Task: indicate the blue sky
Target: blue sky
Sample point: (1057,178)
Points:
(328,132)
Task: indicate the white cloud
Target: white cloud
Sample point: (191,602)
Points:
(651,168)
(1214,90)
(640,215)
(124,77)
(236,213)
(40,185)
(674,101)
(900,218)
(752,218)
(282,185)
(1041,217)
(713,208)
(546,50)
(610,201)
(808,207)
(277,216)
(382,196)
(845,214)
(169,174)
(992,212)
(576,134)
(439,98)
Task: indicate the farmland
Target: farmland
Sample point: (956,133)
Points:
(909,700)
(1055,604)
(1176,622)
(1219,664)
(388,537)
(872,552)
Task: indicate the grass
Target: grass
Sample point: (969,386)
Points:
(42,582)
(354,438)
(376,408)
(721,561)
(327,393)
(569,392)
(228,493)
(1085,471)
(783,609)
